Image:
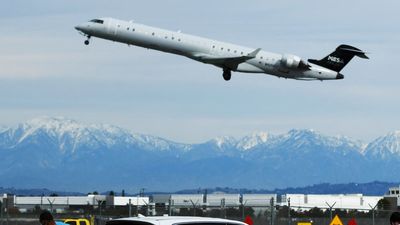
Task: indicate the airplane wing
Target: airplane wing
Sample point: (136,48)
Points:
(230,62)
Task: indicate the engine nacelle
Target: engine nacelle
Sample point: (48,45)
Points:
(293,62)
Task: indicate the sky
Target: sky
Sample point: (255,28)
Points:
(46,70)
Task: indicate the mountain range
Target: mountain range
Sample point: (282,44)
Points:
(64,154)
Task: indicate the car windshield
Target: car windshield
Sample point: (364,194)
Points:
(97,21)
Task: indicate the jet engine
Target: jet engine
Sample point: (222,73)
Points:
(293,62)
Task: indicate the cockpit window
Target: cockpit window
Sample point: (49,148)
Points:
(97,21)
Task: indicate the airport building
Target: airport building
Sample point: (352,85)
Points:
(177,201)
(339,201)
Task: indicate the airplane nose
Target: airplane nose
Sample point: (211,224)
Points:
(85,27)
(79,27)
(339,76)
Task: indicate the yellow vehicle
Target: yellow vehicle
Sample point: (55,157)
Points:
(304,223)
(77,221)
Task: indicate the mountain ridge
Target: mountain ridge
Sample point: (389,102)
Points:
(110,156)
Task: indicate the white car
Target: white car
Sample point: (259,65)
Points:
(173,220)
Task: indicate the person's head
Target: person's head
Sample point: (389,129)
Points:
(46,218)
(395,218)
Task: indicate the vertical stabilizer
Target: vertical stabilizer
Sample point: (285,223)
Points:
(338,59)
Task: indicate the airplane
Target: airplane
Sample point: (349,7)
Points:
(228,57)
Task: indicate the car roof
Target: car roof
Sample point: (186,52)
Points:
(166,220)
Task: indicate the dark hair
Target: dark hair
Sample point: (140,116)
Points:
(395,217)
(45,215)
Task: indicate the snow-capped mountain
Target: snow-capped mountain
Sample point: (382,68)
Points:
(59,153)
(253,140)
(384,147)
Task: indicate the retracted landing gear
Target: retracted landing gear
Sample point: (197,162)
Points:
(87,40)
(227,74)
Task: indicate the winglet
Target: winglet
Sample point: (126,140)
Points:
(254,53)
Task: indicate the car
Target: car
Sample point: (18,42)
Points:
(173,220)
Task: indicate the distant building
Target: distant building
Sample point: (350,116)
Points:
(338,201)
(58,203)
(393,197)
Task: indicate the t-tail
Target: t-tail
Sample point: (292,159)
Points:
(338,59)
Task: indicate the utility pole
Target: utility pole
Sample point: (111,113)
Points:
(330,208)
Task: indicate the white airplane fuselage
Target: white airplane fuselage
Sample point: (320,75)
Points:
(229,57)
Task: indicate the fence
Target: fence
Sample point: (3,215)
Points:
(261,215)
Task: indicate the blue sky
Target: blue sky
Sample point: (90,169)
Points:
(46,70)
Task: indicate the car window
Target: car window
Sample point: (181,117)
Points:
(71,222)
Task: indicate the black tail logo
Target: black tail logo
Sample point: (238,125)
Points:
(338,59)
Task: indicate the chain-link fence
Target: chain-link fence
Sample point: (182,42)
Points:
(261,215)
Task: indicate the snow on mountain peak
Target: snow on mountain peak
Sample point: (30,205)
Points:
(253,140)
(224,141)
(69,135)
(385,146)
